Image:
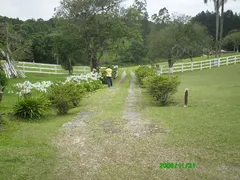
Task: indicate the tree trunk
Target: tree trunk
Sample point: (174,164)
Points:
(94,63)
(170,65)
(70,68)
(94,60)
(221,25)
(217,29)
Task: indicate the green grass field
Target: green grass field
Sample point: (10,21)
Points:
(206,133)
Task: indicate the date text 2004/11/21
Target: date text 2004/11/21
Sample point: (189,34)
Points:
(177,165)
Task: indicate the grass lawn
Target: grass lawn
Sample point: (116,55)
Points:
(206,132)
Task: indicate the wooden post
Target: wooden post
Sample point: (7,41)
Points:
(201,65)
(210,64)
(219,62)
(182,67)
(227,61)
(192,66)
(235,59)
(186,97)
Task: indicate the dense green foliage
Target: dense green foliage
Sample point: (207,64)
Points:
(143,72)
(31,107)
(162,87)
(208,19)
(232,40)
(108,34)
(3,79)
(65,96)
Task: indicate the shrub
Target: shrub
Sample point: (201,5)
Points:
(142,72)
(30,108)
(162,87)
(91,86)
(3,78)
(65,96)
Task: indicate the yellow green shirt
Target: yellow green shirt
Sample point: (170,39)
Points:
(109,72)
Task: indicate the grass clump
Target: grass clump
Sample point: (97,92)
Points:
(31,107)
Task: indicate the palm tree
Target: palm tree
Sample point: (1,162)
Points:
(216,7)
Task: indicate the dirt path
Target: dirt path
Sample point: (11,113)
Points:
(110,140)
(135,125)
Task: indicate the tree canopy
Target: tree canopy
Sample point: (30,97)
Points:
(102,32)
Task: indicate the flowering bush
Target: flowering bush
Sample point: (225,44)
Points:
(62,95)
(83,78)
(89,81)
(27,87)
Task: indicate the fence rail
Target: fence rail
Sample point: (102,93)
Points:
(49,68)
(200,65)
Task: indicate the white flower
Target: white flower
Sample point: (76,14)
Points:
(27,87)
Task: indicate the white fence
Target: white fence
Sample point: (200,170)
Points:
(49,68)
(200,65)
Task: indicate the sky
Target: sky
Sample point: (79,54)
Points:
(28,9)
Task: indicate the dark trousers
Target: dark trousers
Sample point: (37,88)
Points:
(109,81)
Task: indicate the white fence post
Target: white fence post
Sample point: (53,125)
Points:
(161,70)
(210,64)
(191,66)
(182,67)
(235,59)
(227,61)
(55,68)
(40,67)
(201,65)
(219,62)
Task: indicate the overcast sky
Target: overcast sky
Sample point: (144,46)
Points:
(27,9)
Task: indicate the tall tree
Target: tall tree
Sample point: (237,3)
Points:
(178,40)
(219,23)
(216,7)
(233,39)
(98,24)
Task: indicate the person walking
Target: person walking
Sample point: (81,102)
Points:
(109,76)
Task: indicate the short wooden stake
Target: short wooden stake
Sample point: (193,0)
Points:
(186,97)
